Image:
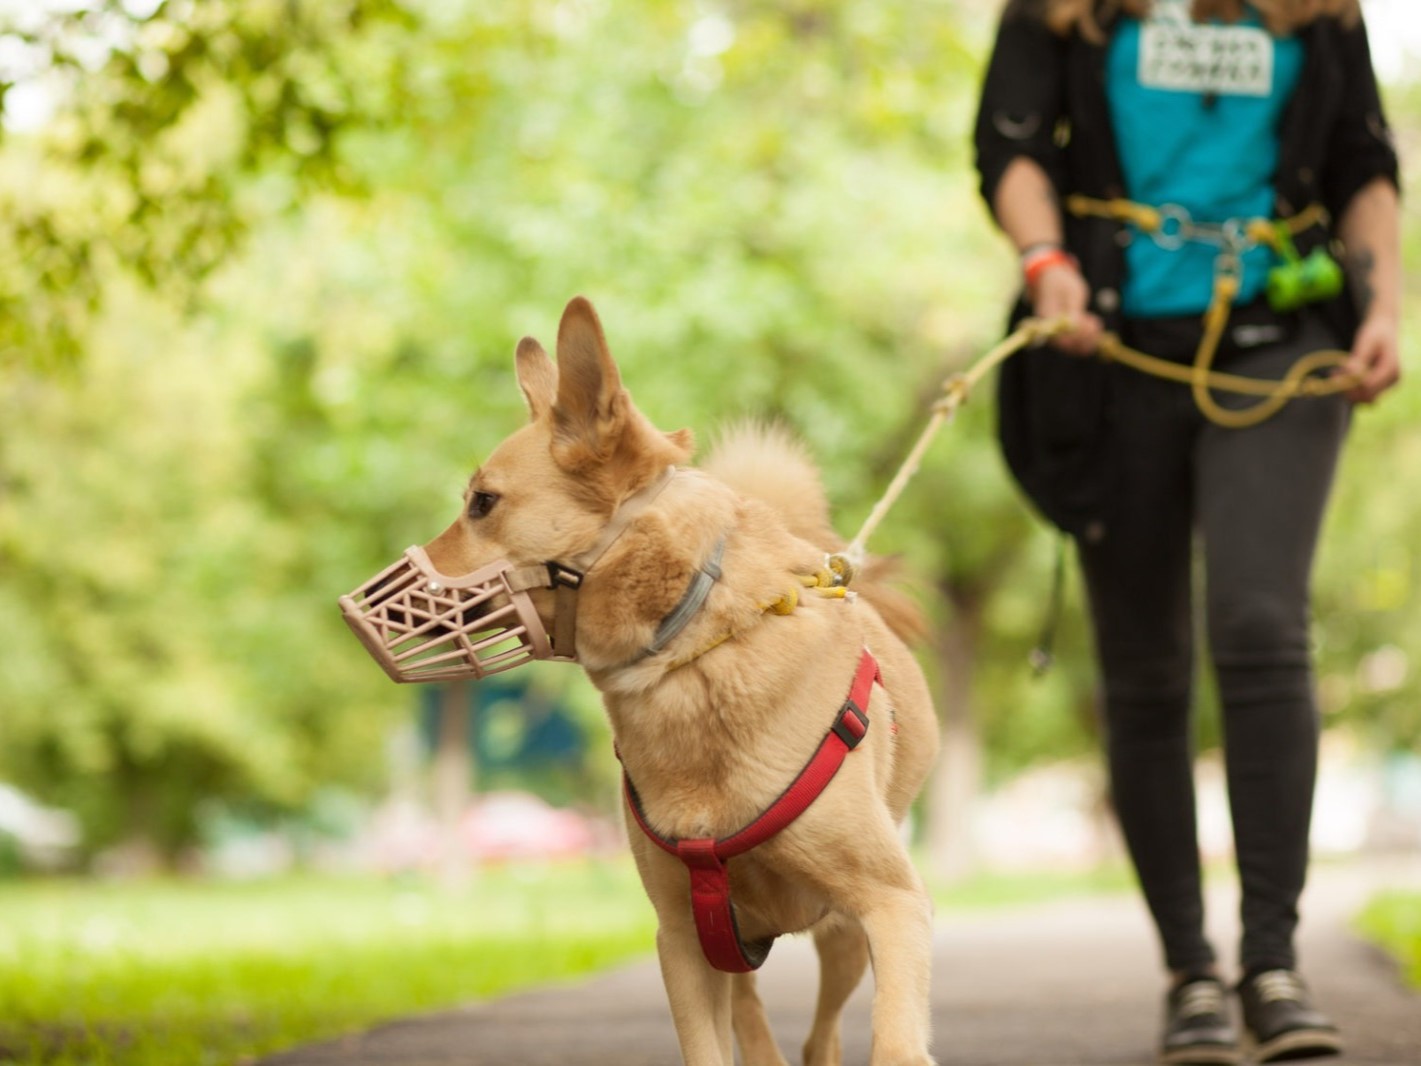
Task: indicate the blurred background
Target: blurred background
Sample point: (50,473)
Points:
(264,266)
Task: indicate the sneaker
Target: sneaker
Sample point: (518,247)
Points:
(1279,1016)
(1197,1028)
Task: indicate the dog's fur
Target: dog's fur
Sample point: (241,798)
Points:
(713,732)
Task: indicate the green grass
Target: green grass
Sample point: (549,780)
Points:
(1393,920)
(1015,889)
(212,974)
(207,974)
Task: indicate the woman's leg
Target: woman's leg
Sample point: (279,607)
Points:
(1138,580)
(1260,497)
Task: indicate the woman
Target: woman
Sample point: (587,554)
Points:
(1215,114)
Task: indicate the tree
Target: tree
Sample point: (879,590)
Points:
(283,368)
(177,127)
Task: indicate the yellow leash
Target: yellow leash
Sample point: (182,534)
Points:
(1203,379)
(1172,226)
(955,392)
(1200,377)
(1155,220)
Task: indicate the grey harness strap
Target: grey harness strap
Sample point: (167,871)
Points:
(692,601)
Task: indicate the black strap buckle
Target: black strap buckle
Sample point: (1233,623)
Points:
(564,576)
(851,726)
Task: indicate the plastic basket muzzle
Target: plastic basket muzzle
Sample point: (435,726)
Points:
(421,625)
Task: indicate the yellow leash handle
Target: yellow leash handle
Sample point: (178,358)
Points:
(1203,379)
(1298,381)
(1146,218)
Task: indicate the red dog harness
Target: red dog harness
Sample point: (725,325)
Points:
(705,857)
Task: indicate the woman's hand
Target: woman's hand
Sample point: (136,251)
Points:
(1370,229)
(1060,291)
(1027,206)
(1376,357)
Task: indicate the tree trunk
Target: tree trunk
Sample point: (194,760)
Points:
(957,779)
(453,782)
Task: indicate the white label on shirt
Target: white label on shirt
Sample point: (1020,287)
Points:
(1228,60)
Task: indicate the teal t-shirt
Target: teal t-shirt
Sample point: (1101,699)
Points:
(1196,109)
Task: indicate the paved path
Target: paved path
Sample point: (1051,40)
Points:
(1067,984)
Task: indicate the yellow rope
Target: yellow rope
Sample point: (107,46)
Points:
(1200,376)
(838,571)
(1145,217)
(1152,220)
(955,392)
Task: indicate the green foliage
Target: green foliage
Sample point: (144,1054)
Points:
(754,236)
(1393,921)
(164,972)
(152,650)
(1367,602)
(179,125)
(283,253)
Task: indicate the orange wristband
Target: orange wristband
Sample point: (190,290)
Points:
(1037,262)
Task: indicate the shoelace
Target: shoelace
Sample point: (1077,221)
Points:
(1201,997)
(1279,984)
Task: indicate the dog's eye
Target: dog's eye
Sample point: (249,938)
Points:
(481,503)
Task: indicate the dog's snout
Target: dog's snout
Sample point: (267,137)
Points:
(422,625)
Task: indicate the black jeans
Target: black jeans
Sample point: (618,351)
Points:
(1248,503)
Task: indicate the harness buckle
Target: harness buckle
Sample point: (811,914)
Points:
(564,576)
(851,725)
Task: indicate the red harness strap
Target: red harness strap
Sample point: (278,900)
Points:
(705,857)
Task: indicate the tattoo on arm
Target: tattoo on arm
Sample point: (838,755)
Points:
(1361,264)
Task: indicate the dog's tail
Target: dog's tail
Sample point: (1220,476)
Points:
(767,462)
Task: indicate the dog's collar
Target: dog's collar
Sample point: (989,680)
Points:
(692,600)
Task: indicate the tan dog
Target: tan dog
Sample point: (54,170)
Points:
(715,725)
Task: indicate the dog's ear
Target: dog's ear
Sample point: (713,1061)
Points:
(537,377)
(591,408)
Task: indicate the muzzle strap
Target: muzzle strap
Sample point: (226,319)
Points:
(566,580)
(630,510)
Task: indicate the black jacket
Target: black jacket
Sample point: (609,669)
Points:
(1044,98)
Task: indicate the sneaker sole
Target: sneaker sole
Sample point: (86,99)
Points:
(1202,1055)
(1299,1044)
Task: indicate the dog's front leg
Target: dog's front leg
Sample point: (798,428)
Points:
(752,1027)
(899,928)
(843,957)
(698,993)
